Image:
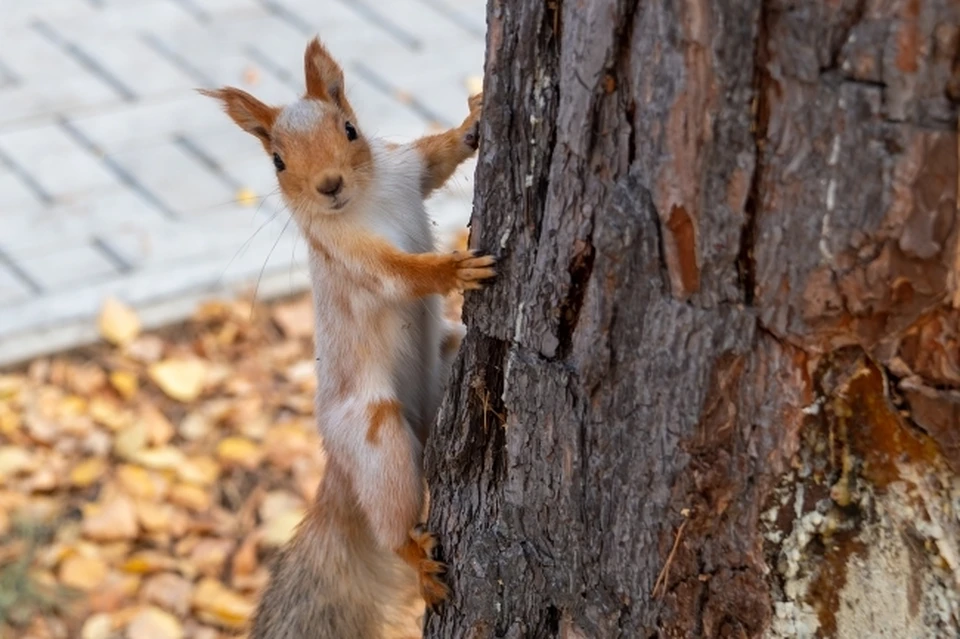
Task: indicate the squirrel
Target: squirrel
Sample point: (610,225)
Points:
(382,347)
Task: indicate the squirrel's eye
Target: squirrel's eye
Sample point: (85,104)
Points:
(351,132)
(277,162)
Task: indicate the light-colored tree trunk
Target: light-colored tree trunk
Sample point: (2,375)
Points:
(715,391)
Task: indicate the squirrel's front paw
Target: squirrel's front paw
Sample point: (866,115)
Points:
(471,126)
(430,571)
(471,270)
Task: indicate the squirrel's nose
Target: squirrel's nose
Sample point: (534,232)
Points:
(330,185)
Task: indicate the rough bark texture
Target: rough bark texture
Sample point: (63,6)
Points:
(715,390)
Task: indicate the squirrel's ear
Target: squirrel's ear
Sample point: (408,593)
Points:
(324,76)
(252,115)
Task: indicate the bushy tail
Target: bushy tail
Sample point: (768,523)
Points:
(332,581)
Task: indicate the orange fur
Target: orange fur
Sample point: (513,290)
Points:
(418,553)
(384,412)
(444,152)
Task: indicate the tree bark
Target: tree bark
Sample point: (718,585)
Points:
(715,389)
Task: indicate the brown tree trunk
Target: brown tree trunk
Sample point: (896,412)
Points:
(715,390)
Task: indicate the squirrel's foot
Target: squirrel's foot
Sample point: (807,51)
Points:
(471,126)
(471,269)
(430,571)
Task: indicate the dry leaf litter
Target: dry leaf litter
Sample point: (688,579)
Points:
(147,482)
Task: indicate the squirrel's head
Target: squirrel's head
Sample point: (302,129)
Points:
(322,160)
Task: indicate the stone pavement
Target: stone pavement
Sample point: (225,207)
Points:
(116,178)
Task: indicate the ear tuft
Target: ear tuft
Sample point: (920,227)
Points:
(250,114)
(324,77)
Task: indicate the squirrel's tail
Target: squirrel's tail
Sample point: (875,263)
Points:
(333,581)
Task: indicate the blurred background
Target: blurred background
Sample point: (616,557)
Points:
(157,444)
(116,178)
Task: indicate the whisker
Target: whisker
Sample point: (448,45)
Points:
(263,268)
(246,245)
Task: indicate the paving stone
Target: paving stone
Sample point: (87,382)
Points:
(55,161)
(116,178)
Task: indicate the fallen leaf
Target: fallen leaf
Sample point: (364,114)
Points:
(474,84)
(83,573)
(279,530)
(154,623)
(180,379)
(251,75)
(110,596)
(140,483)
(118,323)
(169,591)
(125,383)
(218,605)
(130,441)
(146,349)
(236,451)
(245,559)
(246,197)
(14,461)
(295,319)
(165,458)
(190,497)
(148,561)
(200,470)
(112,520)
(195,426)
(210,555)
(97,626)
(88,472)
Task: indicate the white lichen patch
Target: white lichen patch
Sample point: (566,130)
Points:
(892,563)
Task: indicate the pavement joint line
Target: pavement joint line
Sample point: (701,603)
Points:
(7,77)
(105,249)
(291,17)
(457,17)
(20,274)
(197,12)
(176,59)
(26,178)
(85,60)
(122,174)
(405,38)
(273,68)
(384,86)
(194,150)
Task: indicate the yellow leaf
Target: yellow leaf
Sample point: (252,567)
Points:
(474,84)
(130,441)
(82,573)
(125,383)
(88,472)
(190,497)
(237,451)
(164,458)
(154,623)
(140,483)
(118,323)
(217,604)
(15,460)
(97,626)
(180,379)
(246,197)
(112,520)
(201,471)
(106,411)
(280,529)
(148,561)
